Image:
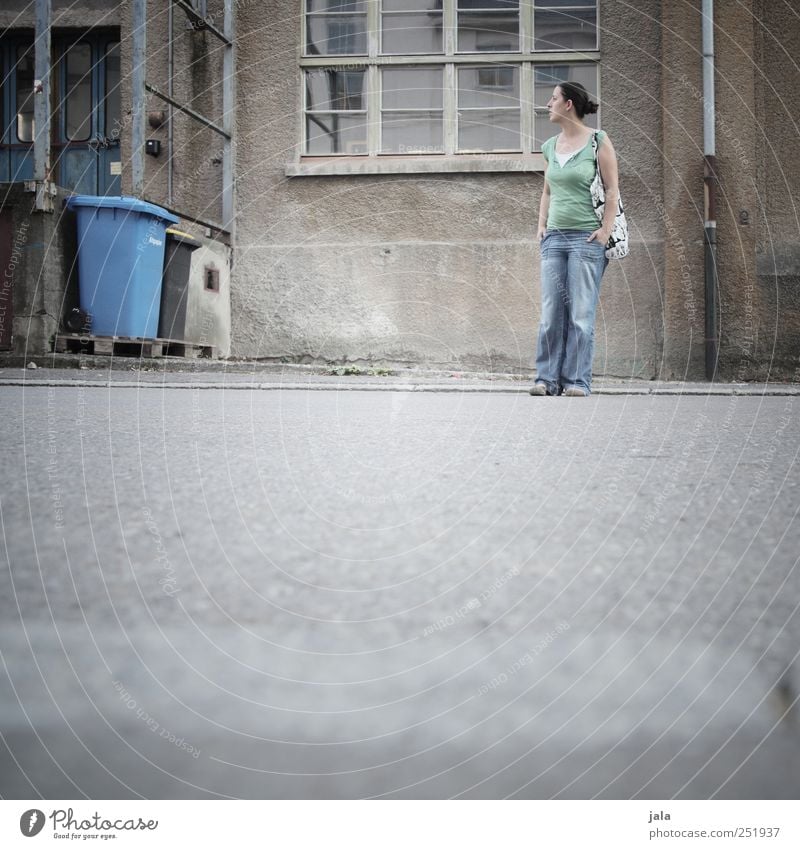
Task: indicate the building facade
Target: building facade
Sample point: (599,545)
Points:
(388,170)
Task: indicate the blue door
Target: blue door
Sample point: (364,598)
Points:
(85,121)
(16,151)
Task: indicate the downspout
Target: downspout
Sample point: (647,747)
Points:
(710,193)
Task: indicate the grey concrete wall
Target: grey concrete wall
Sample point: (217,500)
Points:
(197,81)
(44,278)
(441,269)
(208,314)
(66,13)
(435,269)
(770,335)
(678,201)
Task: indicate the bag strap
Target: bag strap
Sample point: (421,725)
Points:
(595,147)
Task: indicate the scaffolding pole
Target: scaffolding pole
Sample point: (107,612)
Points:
(41,109)
(228,114)
(141,88)
(138,76)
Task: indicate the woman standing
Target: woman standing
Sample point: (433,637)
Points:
(572,245)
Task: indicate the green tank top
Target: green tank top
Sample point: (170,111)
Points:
(570,199)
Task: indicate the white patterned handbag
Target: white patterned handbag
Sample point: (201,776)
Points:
(617,246)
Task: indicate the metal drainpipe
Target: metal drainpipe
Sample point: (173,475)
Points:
(710,193)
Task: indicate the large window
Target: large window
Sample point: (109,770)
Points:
(398,77)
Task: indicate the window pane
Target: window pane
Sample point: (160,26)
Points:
(543,128)
(412,88)
(79,92)
(546,77)
(412,33)
(488,32)
(490,85)
(573,29)
(336,5)
(336,35)
(328,89)
(412,6)
(505,5)
(412,132)
(488,129)
(25,69)
(112,91)
(336,133)
(544,4)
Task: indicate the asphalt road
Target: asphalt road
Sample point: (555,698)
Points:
(211,593)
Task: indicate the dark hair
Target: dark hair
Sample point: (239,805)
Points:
(579,97)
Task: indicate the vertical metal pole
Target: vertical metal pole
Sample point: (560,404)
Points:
(138,77)
(710,194)
(171,93)
(228,110)
(41,101)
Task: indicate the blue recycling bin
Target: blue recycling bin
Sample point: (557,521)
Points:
(120,263)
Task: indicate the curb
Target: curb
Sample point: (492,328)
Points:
(333,385)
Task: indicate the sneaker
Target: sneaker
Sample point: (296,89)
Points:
(575,392)
(538,389)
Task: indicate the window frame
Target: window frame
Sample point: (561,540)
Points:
(449,60)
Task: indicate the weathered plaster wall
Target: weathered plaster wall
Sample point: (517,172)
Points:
(429,269)
(44,283)
(738,135)
(197,81)
(773,195)
(679,200)
(66,13)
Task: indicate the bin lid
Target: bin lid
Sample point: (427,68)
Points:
(121,202)
(183,238)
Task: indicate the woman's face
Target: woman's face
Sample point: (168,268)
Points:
(557,105)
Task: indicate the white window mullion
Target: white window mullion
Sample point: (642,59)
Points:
(526,26)
(450,100)
(450,25)
(450,104)
(373,28)
(373,110)
(526,106)
(373,78)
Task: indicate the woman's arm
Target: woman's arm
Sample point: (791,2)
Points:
(544,206)
(607,159)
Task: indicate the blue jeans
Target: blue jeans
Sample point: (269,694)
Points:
(572,269)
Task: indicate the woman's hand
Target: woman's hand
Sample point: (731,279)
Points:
(540,233)
(602,235)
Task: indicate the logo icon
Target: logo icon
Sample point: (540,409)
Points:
(31,822)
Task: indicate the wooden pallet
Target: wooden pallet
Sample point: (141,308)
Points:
(124,346)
